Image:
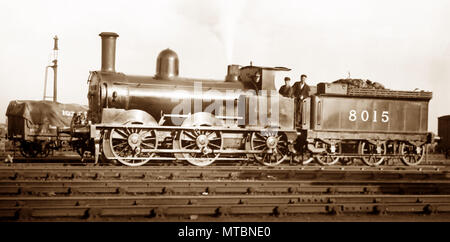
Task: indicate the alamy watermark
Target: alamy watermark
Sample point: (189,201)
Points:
(233,107)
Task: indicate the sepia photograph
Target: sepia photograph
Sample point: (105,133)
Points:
(224,119)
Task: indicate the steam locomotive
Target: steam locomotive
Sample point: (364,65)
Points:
(137,119)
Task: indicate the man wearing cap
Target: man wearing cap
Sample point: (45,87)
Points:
(256,80)
(300,91)
(286,89)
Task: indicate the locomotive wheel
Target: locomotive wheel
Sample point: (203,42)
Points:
(129,142)
(370,152)
(206,144)
(274,147)
(412,155)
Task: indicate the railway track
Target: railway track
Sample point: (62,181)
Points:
(51,192)
(225,173)
(186,187)
(154,208)
(74,159)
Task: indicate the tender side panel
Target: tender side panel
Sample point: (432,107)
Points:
(331,113)
(444,131)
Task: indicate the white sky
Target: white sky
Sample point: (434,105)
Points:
(402,44)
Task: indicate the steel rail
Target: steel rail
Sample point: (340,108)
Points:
(99,208)
(215,189)
(422,168)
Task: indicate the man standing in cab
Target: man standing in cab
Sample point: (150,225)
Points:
(301,89)
(286,89)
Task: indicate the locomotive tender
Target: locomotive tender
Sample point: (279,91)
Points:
(136,119)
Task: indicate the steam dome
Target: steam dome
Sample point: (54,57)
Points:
(167,64)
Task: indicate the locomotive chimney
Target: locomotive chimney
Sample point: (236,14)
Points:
(108,51)
(232,73)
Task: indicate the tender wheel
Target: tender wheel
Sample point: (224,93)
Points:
(326,159)
(329,158)
(133,146)
(372,153)
(412,155)
(206,145)
(274,147)
(304,158)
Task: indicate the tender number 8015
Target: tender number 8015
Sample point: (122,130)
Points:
(365,116)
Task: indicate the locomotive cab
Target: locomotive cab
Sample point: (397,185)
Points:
(262,106)
(260,78)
